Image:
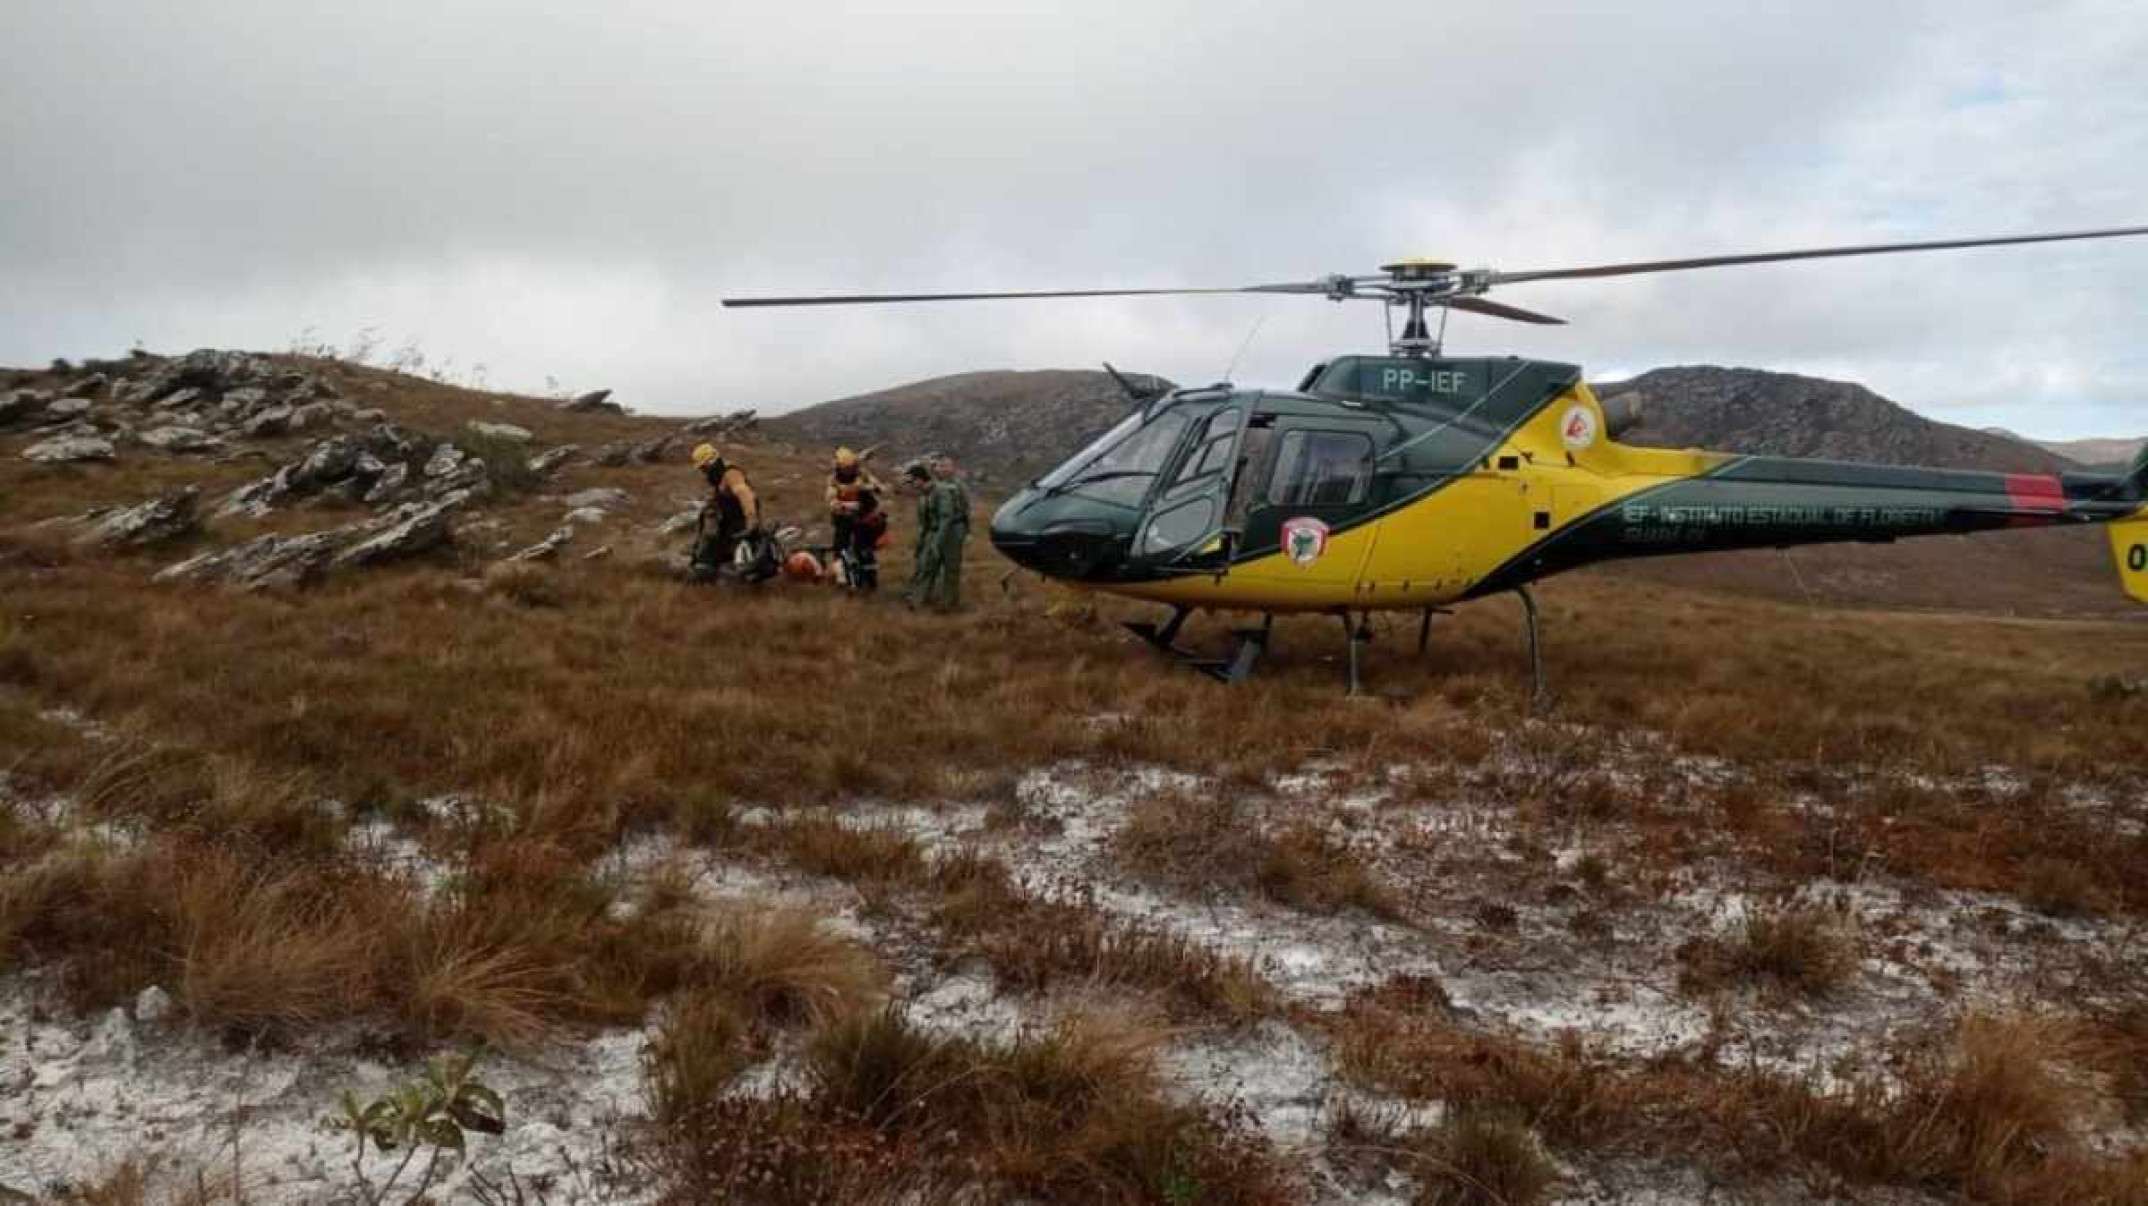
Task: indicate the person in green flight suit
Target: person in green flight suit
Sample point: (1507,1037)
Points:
(943,526)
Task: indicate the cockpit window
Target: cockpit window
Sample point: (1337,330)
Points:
(1210,449)
(1080,460)
(1126,462)
(1321,469)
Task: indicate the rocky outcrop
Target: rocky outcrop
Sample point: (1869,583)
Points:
(737,422)
(64,410)
(545,462)
(20,406)
(596,401)
(500,431)
(408,530)
(604,498)
(158,521)
(546,549)
(368,467)
(69,449)
(179,439)
(266,561)
(412,529)
(638,452)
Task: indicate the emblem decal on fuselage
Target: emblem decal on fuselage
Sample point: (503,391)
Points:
(1304,539)
(1578,428)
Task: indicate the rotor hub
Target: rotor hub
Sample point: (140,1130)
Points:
(1418,269)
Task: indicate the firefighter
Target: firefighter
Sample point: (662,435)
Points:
(732,506)
(860,521)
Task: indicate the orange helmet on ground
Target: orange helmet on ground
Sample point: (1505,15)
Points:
(802,566)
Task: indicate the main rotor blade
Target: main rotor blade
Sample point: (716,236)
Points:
(859,299)
(1479,305)
(1815,253)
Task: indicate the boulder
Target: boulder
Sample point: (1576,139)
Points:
(370,414)
(546,549)
(311,415)
(152,1004)
(69,449)
(246,399)
(179,439)
(389,485)
(679,522)
(603,498)
(157,521)
(181,399)
(500,431)
(268,421)
(584,515)
(596,401)
(209,370)
(545,462)
(412,529)
(260,563)
(20,406)
(64,410)
(88,386)
(736,421)
(445,459)
(643,452)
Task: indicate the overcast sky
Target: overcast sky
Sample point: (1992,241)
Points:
(566,197)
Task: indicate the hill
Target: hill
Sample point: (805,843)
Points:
(2109,453)
(2047,572)
(1004,426)
(1784,414)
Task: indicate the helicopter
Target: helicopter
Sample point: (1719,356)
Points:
(1416,480)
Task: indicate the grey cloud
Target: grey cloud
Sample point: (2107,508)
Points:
(568,196)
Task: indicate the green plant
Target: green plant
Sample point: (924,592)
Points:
(431,1114)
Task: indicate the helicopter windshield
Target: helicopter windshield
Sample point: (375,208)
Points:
(1121,464)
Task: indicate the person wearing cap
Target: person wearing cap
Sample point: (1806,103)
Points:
(854,508)
(734,507)
(943,526)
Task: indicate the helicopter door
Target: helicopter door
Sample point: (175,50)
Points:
(1303,522)
(1184,529)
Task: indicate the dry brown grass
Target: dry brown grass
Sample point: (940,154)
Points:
(1989,1111)
(1792,946)
(1074,1112)
(1479,1157)
(1204,841)
(270,950)
(588,701)
(784,966)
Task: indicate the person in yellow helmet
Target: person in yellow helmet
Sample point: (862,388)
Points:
(733,506)
(860,521)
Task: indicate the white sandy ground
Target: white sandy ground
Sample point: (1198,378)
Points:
(78,1095)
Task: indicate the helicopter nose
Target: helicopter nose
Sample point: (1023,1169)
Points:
(1036,532)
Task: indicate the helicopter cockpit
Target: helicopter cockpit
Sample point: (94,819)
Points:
(1143,494)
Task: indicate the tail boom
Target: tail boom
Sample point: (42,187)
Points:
(1778,502)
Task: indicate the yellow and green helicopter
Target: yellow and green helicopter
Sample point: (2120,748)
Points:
(1415,480)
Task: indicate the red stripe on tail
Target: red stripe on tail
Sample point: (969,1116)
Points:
(2036,496)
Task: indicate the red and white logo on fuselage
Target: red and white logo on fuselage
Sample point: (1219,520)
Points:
(1578,428)
(1304,539)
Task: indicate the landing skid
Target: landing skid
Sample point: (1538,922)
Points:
(1252,642)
